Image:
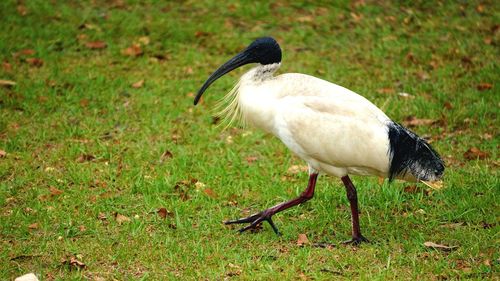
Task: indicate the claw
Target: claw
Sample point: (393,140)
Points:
(254,220)
(356,240)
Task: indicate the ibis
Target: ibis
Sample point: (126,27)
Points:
(336,131)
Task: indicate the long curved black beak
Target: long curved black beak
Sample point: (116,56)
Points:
(237,61)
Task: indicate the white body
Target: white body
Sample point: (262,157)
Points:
(333,129)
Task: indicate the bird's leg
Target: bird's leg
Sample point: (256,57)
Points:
(266,215)
(353,200)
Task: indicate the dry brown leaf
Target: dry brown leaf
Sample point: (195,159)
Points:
(7,67)
(85,157)
(210,193)
(102,216)
(386,91)
(484,86)
(302,240)
(138,84)
(295,169)
(7,83)
(448,105)
(474,153)
(234,270)
(82,228)
(166,155)
(121,218)
(3,154)
(22,10)
(163,213)
(433,245)
(304,19)
(412,121)
(251,159)
(33,226)
(36,62)
(96,45)
(54,191)
(199,34)
(133,51)
(73,262)
(84,102)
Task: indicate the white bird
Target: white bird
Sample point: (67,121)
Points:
(336,131)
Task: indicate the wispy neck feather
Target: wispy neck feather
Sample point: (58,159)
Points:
(408,153)
(228,108)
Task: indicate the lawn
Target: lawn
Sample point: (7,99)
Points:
(108,171)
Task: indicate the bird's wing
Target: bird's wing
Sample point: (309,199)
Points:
(341,132)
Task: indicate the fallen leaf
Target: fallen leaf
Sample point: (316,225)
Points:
(22,10)
(121,218)
(305,19)
(7,83)
(73,262)
(189,70)
(36,62)
(412,121)
(85,157)
(251,159)
(199,34)
(437,185)
(3,154)
(302,240)
(411,189)
(102,216)
(82,228)
(33,226)
(166,155)
(84,102)
(26,52)
(163,213)
(54,191)
(295,169)
(7,67)
(386,91)
(96,45)
(484,86)
(234,270)
(210,193)
(474,153)
(433,245)
(138,84)
(133,51)
(448,105)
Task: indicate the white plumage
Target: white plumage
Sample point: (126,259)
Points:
(333,129)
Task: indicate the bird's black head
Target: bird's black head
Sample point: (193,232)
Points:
(264,50)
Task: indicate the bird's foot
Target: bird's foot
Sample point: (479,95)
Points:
(255,220)
(356,240)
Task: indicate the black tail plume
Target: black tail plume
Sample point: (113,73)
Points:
(408,153)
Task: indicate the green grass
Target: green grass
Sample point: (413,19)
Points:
(80,102)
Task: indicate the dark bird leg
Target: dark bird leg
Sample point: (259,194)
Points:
(353,200)
(266,215)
